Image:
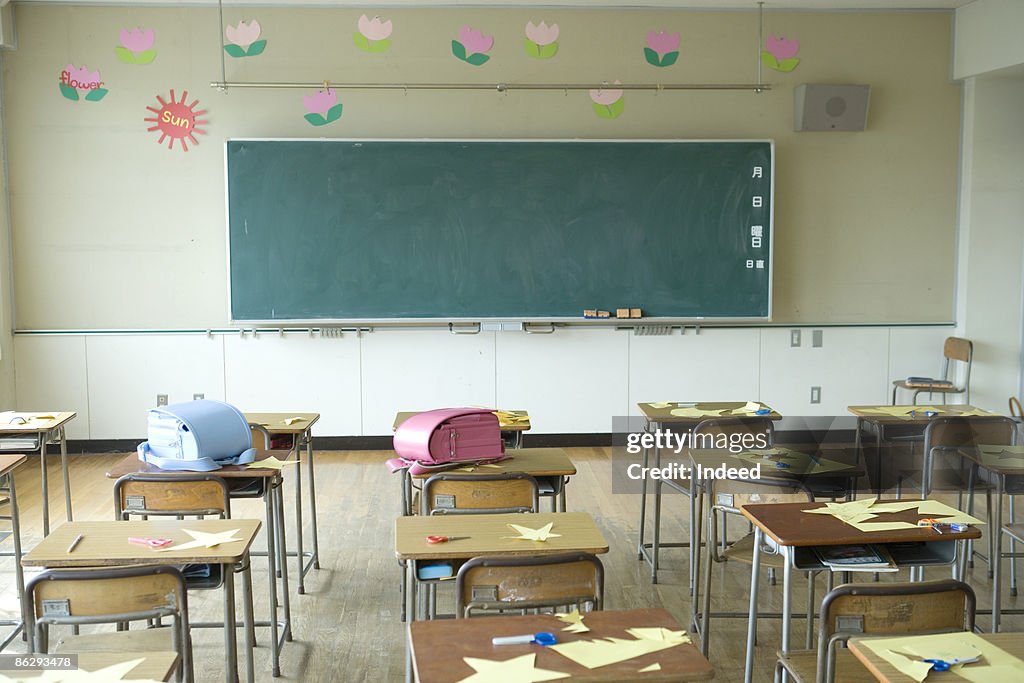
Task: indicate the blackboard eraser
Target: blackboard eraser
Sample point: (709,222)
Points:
(635,313)
(604,314)
(589,313)
(621,312)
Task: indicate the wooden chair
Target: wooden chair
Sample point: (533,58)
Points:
(726,497)
(490,584)
(450,494)
(1015,408)
(957,355)
(107,596)
(876,609)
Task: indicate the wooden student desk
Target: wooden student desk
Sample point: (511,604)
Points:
(1007,472)
(792,533)
(8,463)
(281,629)
(488,535)
(885,672)
(105,544)
(547,465)
(300,432)
(908,426)
(659,416)
(31,433)
(155,666)
(438,647)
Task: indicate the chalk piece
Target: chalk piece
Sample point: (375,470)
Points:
(589,313)
(635,313)
(621,312)
(604,314)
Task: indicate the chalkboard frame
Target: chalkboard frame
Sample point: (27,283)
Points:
(457,320)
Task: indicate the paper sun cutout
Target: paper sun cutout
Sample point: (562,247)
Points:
(177,121)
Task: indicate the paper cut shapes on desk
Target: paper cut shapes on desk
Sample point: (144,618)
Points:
(528,534)
(602,652)
(694,412)
(471,468)
(575,621)
(114,672)
(661,405)
(650,669)
(271,463)
(792,462)
(907,652)
(203,539)
(659,634)
(856,513)
(1002,455)
(520,669)
(292,420)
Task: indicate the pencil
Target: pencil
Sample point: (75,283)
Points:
(75,542)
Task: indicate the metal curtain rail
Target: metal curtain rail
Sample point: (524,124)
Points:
(496,87)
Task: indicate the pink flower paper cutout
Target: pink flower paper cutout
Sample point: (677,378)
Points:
(322,107)
(780,54)
(662,48)
(472,46)
(136,46)
(373,34)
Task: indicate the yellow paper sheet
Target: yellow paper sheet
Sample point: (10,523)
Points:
(752,407)
(881,526)
(1002,456)
(661,405)
(650,669)
(202,540)
(271,463)
(115,672)
(292,420)
(857,513)
(850,512)
(995,665)
(660,634)
(528,534)
(516,670)
(975,413)
(596,653)
(694,412)
(575,622)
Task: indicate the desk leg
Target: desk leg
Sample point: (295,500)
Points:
(996,558)
(45,485)
(298,517)
(64,469)
(787,599)
(283,554)
(19,573)
(643,508)
(230,644)
(248,620)
(312,497)
(270,516)
(696,520)
(656,540)
(755,569)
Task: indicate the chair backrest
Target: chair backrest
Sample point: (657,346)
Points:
(177,495)
(260,437)
(1015,407)
(878,609)
(953,432)
(519,583)
(739,431)
(962,351)
(447,493)
(108,595)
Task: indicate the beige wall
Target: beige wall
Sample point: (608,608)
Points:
(111,230)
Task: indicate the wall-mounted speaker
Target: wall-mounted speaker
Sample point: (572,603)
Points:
(821,107)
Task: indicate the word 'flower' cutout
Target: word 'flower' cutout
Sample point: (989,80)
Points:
(662,48)
(780,54)
(541,40)
(471,46)
(75,81)
(136,46)
(609,103)
(373,34)
(322,107)
(244,39)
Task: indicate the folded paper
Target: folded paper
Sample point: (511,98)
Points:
(528,534)
(203,539)
(271,463)
(575,621)
(649,669)
(516,670)
(602,652)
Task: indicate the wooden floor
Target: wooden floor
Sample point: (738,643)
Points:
(347,625)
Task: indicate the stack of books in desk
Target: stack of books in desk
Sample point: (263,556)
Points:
(856,558)
(929,382)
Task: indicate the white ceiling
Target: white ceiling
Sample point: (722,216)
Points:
(691,4)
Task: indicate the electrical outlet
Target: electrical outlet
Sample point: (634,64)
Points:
(794,337)
(815,394)
(161,399)
(198,397)
(816,336)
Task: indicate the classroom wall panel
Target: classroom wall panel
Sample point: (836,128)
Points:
(423,369)
(712,365)
(51,374)
(851,208)
(126,372)
(988,37)
(850,367)
(297,372)
(571,381)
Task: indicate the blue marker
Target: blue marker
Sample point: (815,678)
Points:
(763,411)
(544,638)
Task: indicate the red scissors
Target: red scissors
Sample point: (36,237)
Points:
(150,542)
(444,539)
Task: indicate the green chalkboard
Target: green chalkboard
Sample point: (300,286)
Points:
(522,230)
